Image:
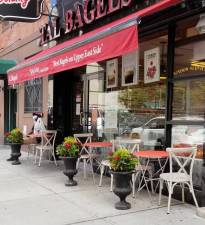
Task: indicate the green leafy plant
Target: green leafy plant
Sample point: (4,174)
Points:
(15,136)
(122,160)
(69,148)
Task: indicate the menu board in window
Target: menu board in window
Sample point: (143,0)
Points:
(130,66)
(112,73)
(152,65)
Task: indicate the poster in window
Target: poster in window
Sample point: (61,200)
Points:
(111,111)
(112,73)
(130,68)
(152,65)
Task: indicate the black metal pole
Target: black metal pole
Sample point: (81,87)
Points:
(203,174)
(170,69)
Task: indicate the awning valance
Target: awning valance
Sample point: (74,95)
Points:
(112,40)
(6,65)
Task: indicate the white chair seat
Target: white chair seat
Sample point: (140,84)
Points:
(142,168)
(105,163)
(87,156)
(175,177)
(44,148)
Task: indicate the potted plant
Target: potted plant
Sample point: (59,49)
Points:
(122,163)
(69,151)
(15,139)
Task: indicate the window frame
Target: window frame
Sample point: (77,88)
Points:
(36,92)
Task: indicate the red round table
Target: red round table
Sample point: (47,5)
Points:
(98,144)
(151,154)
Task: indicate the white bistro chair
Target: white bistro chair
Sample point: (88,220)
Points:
(85,153)
(47,144)
(105,163)
(182,157)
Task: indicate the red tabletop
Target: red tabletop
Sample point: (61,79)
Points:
(32,136)
(151,154)
(98,144)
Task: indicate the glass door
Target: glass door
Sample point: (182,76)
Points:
(92,117)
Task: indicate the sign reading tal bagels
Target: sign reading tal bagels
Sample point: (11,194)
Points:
(77,14)
(21,10)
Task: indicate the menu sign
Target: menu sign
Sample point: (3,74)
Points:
(21,10)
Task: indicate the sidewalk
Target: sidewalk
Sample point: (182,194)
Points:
(32,195)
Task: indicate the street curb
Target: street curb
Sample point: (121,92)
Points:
(201,212)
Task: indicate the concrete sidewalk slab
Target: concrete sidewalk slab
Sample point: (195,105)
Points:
(41,210)
(201,212)
(32,195)
(181,214)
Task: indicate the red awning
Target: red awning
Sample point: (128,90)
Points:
(112,40)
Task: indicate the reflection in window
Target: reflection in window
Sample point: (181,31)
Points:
(33,95)
(189,135)
(189,51)
(189,98)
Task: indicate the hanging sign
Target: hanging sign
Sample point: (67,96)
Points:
(152,65)
(130,67)
(21,10)
(112,73)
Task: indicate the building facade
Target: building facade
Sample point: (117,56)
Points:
(150,85)
(19,41)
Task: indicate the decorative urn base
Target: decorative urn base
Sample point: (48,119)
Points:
(122,188)
(70,170)
(15,154)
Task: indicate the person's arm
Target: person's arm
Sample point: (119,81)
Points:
(31,132)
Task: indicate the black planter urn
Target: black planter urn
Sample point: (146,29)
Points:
(15,154)
(122,188)
(70,170)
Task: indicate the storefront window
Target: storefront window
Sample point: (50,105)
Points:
(187,136)
(189,99)
(189,51)
(33,96)
(189,86)
(132,106)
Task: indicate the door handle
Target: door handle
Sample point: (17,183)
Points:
(81,119)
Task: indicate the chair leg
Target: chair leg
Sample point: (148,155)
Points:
(77,164)
(28,151)
(54,157)
(170,196)
(133,184)
(182,192)
(150,176)
(193,194)
(91,164)
(102,169)
(49,155)
(111,183)
(41,153)
(161,182)
(36,156)
(84,168)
